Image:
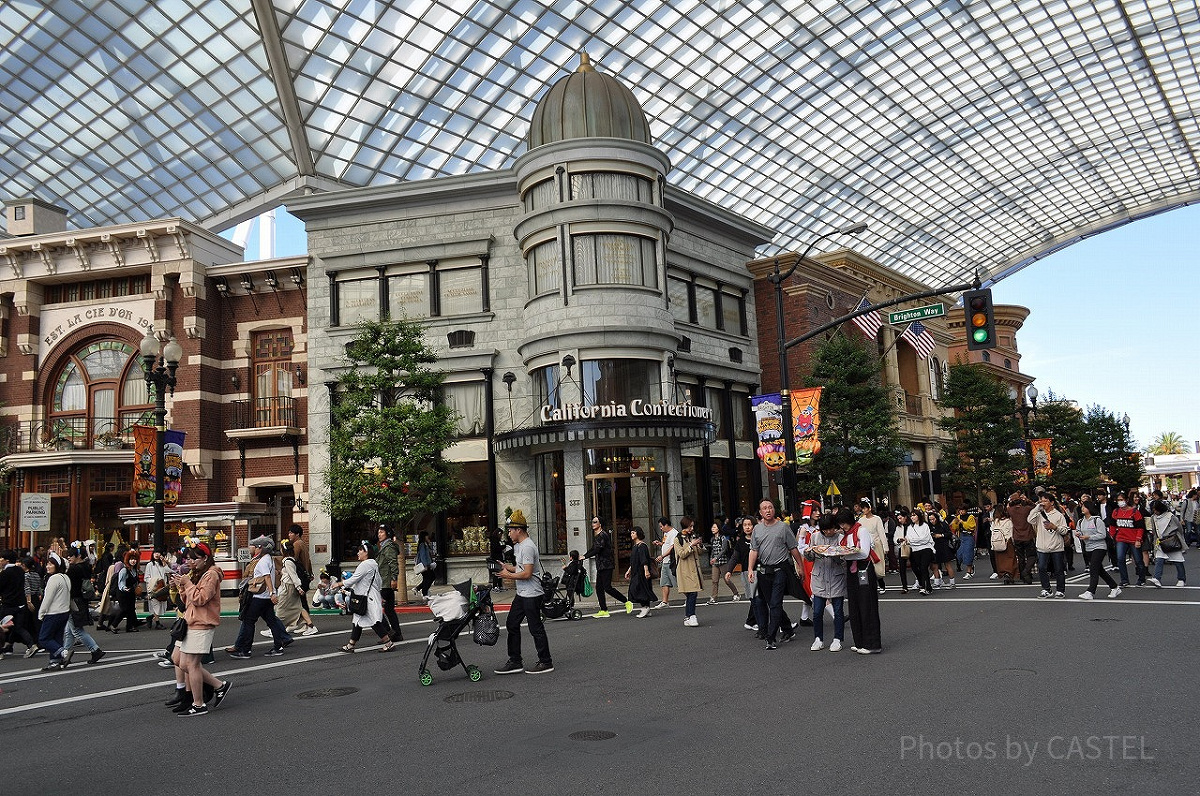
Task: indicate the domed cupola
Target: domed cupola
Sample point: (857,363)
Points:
(588,104)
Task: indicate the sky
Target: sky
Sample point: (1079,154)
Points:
(1111,319)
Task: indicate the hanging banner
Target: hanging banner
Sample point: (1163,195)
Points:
(145,466)
(768,420)
(1041,458)
(806,418)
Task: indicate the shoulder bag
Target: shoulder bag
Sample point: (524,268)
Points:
(358,602)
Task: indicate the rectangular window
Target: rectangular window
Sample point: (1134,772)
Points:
(545,386)
(743,418)
(467,519)
(680,298)
(408,295)
(732,312)
(460,291)
(706,306)
(620,380)
(713,399)
(614,260)
(357,301)
(467,403)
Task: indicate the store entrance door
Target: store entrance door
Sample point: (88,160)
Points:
(622,501)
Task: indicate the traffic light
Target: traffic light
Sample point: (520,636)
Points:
(981,319)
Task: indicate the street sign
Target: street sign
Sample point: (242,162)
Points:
(917,313)
(35,511)
(833,490)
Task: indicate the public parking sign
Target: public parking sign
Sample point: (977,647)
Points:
(35,512)
(917,314)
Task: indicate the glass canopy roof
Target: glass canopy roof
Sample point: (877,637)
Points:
(968,133)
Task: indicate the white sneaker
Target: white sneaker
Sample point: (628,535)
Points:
(712,601)
(265,633)
(737,598)
(1059,595)
(311,630)
(691,621)
(1155,582)
(817,645)
(749,626)
(1044,594)
(836,646)
(662,604)
(937,584)
(1087,595)
(994,576)
(643,613)
(968,576)
(1114,592)
(1181,584)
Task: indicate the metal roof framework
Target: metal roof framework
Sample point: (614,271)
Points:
(970,134)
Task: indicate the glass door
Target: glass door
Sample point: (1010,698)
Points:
(622,501)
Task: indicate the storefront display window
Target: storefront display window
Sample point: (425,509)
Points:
(466,521)
(552,529)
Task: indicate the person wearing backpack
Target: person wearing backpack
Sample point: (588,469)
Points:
(304,573)
(260,601)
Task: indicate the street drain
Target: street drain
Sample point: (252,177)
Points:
(592,735)
(327,693)
(479,696)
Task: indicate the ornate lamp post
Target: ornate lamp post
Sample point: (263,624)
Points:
(777,279)
(158,366)
(1025,409)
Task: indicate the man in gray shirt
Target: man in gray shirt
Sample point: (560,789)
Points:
(771,544)
(527,604)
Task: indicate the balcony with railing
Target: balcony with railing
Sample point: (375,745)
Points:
(72,433)
(261,417)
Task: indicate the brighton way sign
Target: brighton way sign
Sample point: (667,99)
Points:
(917,313)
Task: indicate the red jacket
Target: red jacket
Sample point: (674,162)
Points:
(1128,524)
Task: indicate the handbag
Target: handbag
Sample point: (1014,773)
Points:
(486,629)
(178,631)
(905,549)
(358,602)
(588,590)
(1170,544)
(419,568)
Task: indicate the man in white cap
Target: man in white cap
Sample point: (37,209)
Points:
(260,586)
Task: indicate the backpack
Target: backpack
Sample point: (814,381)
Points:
(305,577)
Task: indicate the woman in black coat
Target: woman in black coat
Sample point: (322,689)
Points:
(641,585)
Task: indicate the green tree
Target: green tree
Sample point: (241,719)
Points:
(1072,455)
(388,429)
(860,438)
(985,449)
(1167,443)
(1115,451)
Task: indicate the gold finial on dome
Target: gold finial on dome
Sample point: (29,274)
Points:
(585,63)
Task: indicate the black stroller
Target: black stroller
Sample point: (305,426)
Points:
(560,595)
(464,607)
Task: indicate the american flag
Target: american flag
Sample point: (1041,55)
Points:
(917,336)
(870,323)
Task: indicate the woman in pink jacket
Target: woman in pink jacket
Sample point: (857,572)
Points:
(200,591)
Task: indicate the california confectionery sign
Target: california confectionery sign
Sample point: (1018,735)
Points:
(635,408)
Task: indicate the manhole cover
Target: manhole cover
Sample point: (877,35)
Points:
(480,696)
(327,693)
(592,735)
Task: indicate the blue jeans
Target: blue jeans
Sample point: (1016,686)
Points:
(1180,573)
(1058,561)
(50,636)
(839,616)
(768,603)
(689,603)
(966,551)
(78,635)
(256,608)
(1124,548)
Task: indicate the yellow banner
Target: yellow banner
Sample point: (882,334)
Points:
(1041,457)
(806,419)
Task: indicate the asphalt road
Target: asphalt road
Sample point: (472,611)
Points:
(985,689)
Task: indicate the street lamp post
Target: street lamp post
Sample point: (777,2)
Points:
(158,366)
(777,279)
(1025,409)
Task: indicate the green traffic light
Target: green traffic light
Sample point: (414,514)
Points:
(980,335)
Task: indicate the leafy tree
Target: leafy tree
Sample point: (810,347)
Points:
(860,439)
(1116,454)
(1072,455)
(388,429)
(984,452)
(1167,443)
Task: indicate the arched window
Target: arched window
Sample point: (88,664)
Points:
(98,396)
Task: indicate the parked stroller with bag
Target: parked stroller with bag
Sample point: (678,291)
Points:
(455,611)
(560,595)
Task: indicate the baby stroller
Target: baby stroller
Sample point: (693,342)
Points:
(560,595)
(464,607)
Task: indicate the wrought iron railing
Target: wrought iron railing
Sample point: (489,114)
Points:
(912,404)
(264,413)
(72,433)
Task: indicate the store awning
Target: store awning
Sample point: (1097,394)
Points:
(634,430)
(199,512)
